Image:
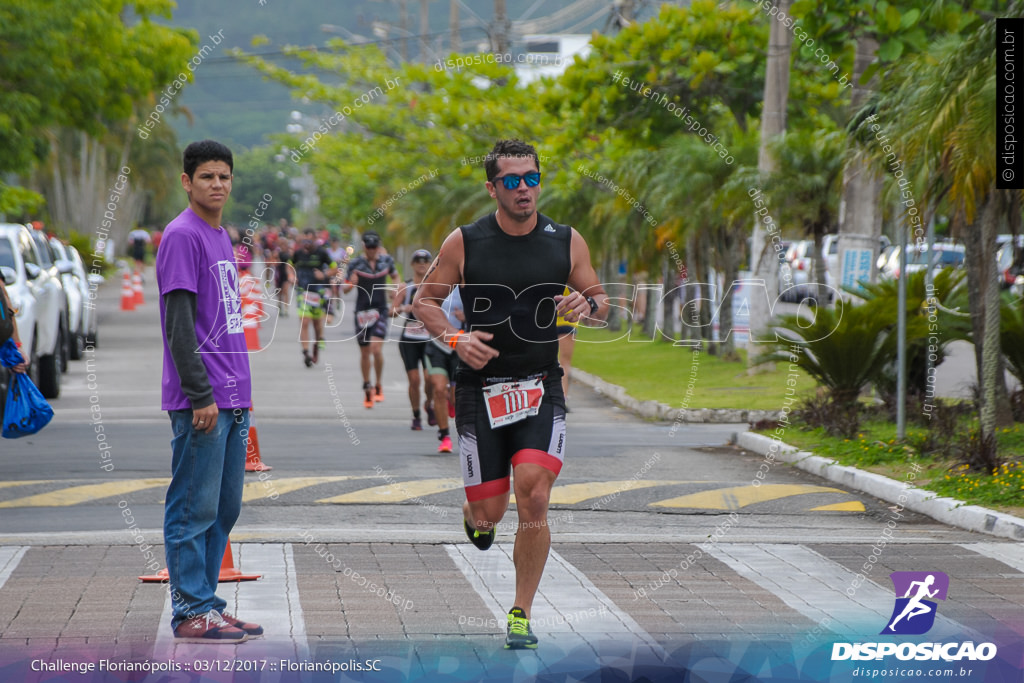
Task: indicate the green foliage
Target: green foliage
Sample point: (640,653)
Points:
(1011,334)
(844,348)
(77,65)
(19,203)
(257,173)
(679,376)
(934,320)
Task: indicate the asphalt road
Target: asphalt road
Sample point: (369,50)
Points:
(699,557)
(622,477)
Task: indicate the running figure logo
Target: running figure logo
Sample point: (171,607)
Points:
(914,613)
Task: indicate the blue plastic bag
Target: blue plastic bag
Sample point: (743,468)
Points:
(26,411)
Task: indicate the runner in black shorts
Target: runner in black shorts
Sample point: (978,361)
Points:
(512,266)
(369,272)
(415,338)
(313,271)
(442,364)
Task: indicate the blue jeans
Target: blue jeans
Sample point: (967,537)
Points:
(203,502)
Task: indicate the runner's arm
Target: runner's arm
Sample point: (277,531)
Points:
(583,283)
(396,306)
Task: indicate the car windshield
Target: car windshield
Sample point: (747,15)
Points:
(7,254)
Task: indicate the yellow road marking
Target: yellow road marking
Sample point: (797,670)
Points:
(735,497)
(848,506)
(83,494)
(7,484)
(396,492)
(576,493)
(257,490)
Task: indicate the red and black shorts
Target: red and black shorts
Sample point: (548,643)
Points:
(489,454)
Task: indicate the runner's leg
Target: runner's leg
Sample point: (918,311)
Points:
(533,541)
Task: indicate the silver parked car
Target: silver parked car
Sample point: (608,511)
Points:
(37,293)
(76,287)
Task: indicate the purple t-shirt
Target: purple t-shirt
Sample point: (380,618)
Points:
(195,257)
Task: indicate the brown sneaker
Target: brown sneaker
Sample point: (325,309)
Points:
(209,628)
(251,630)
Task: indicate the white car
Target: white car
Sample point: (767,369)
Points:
(39,297)
(77,290)
(944,255)
(90,320)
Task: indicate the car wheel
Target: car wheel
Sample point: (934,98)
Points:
(65,346)
(49,369)
(33,360)
(77,345)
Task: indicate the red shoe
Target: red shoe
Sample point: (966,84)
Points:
(451,410)
(368,400)
(446,445)
(209,628)
(251,630)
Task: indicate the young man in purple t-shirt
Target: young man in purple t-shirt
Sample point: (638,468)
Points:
(206,392)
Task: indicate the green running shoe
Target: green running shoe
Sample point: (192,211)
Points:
(520,635)
(481,539)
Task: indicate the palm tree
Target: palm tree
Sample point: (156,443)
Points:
(807,185)
(944,113)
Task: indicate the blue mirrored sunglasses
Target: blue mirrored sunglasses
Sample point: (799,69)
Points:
(511,181)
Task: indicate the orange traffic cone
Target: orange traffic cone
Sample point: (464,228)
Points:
(227,571)
(253,463)
(137,288)
(127,293)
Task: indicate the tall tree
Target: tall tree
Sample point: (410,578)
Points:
(78,66)
(945,103)
(764,261)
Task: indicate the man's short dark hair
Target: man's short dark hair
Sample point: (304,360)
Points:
(206,150)
(508,149)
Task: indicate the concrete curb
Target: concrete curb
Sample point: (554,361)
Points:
(947,510)
(664,412)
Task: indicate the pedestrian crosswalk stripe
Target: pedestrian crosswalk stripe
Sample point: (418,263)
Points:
(735,497)
(396,491)
(567,602)
(84,494)
(822,590)
(10,557)
(1010,554)
(258,490)
(848,506)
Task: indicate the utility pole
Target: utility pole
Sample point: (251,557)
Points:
(453,25)
(403,20)
(424,29)
(502,26)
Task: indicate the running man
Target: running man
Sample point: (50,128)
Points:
(442,365)
(137,241)
(914,606)
(413,341)
(313,271)
(512,266)
(369,272)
